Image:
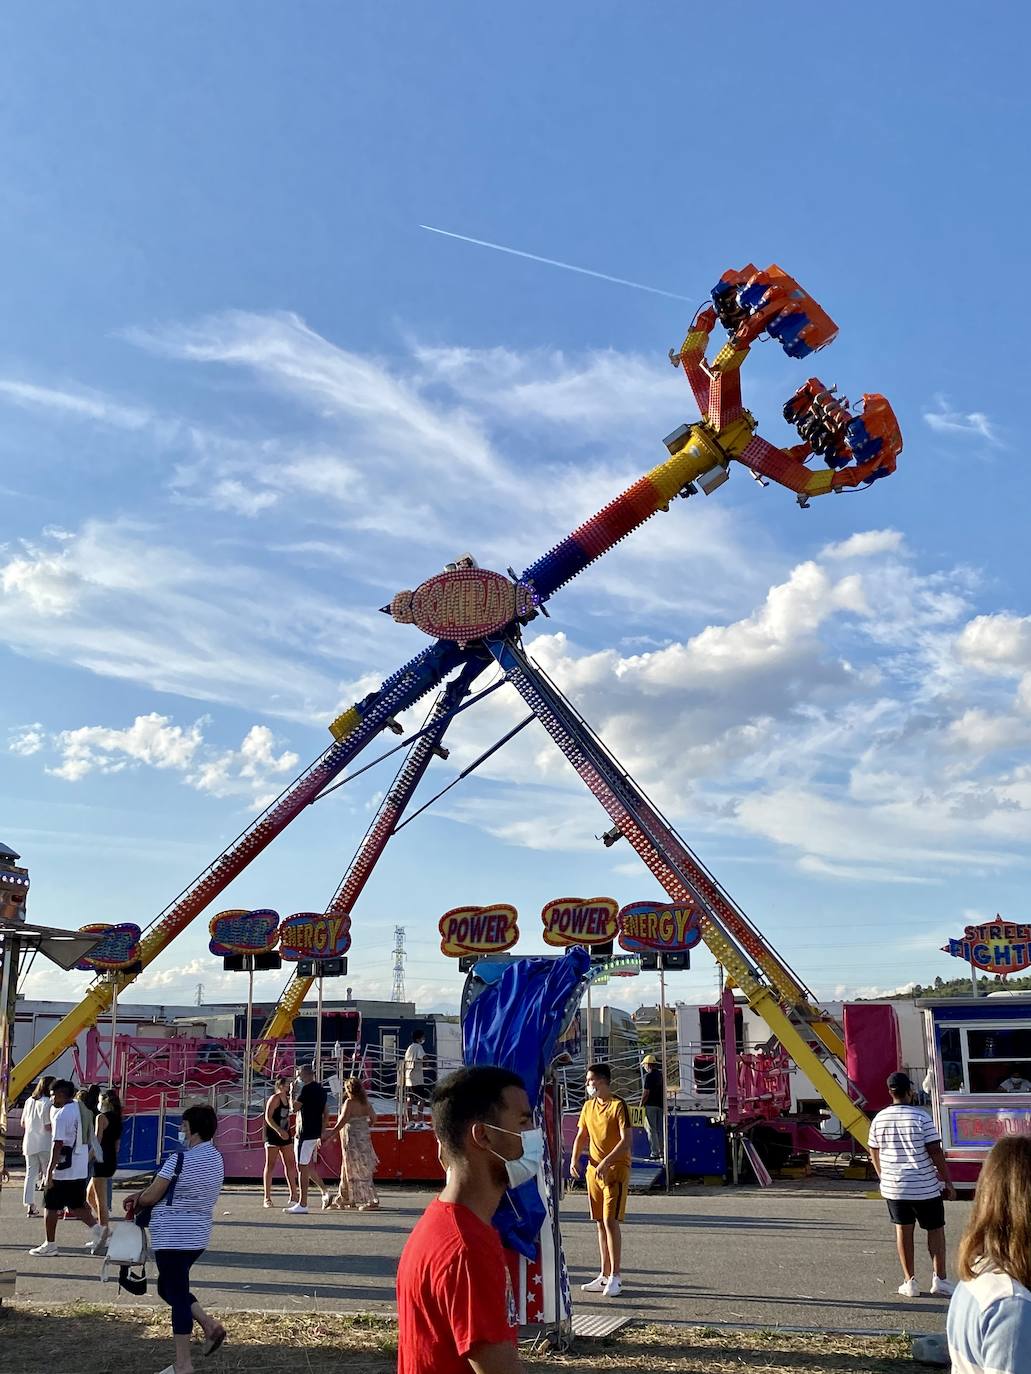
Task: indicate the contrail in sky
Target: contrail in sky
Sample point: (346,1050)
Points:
(551,262)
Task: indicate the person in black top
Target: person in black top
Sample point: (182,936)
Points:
(109,1132)
(310,1103)
(653,1100)
(278,1145)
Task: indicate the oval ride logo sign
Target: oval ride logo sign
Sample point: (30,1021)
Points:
(659,927)
(119,948)
(478,930)
(580,921)
(315,935)
(243,931)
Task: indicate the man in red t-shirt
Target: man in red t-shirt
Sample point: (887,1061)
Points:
(456,1309)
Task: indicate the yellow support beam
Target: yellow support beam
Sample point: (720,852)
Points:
(281,1022)
(763,1002)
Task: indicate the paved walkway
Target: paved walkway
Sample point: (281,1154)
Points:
(793,1255)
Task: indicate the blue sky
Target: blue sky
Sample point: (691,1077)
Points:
(245,398)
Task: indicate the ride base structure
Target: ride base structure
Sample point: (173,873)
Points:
(475,618)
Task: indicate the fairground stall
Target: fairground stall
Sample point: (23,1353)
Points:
(979,1050)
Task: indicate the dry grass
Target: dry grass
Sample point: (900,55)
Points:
(95,1339)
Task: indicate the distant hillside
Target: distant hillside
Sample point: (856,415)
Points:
(958,987)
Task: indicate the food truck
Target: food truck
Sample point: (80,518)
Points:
(979,1052)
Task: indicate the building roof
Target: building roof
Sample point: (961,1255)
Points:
(7,854)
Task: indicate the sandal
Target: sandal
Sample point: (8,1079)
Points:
(214,1341)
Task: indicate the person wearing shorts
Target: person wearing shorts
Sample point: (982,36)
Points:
(311,1127)
(278,1145)
(906,1151)
(604,1130)
(67,1173)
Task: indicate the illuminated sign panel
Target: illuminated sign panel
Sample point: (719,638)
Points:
(985,1125)
(119,948)
(996,947)
(315,935)
(660,927)
(580,921)
(478,930)
(463,604)
(243,932)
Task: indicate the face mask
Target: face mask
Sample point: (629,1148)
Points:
(592,1091)
(183,1137)
(528,1164)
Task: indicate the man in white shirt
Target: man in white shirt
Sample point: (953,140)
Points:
(67,1172)
(415,1083)
(1016,1083)
(906,1151)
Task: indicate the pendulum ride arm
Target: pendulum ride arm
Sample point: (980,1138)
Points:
(353,730)
(409,775)
(684,880)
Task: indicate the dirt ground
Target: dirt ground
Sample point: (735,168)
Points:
(96,1339)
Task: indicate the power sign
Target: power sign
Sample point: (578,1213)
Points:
(478,930)
(580,921)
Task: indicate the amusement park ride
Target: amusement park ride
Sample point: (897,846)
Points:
(475,618)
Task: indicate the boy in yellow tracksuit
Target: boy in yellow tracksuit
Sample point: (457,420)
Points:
(604,1127)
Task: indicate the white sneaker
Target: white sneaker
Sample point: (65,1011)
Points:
(96,1239)
(596,1285)
(613,1288)
(909,1289)
(942,1288)
(46,1251)
(298,1209)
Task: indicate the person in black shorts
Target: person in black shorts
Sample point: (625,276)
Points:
(279,1141)
(67,1174)
(906,1151)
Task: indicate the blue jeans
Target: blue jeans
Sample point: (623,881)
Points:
(174,1286)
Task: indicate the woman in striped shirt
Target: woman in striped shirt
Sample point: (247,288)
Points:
(180,1228)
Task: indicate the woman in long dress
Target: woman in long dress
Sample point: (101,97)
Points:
(358,1156)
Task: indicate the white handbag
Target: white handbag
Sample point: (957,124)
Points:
(126,1256)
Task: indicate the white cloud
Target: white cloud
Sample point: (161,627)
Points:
(79,404)
(254,762)
(118,601)
(40,580)
(151,739)
(254,770)
(386,409)
(999,642)
(866,544)
(26,740)
(972,424)
(593,392)
(229,494)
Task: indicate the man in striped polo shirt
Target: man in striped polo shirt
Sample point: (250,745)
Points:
(906,1150)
